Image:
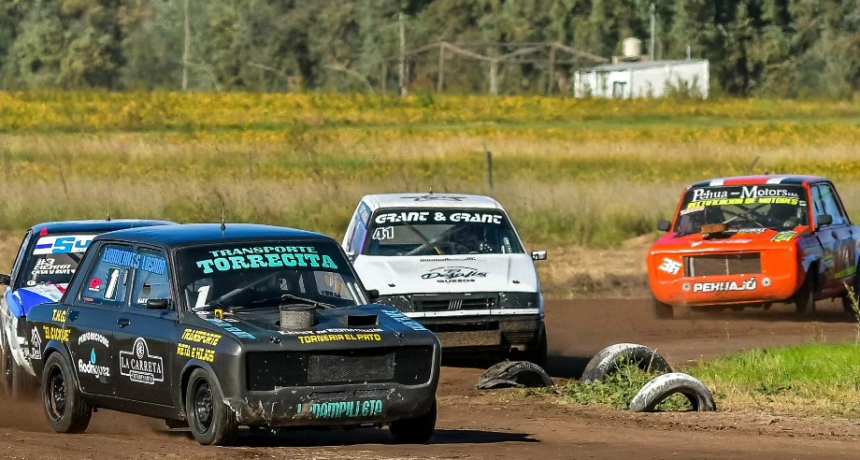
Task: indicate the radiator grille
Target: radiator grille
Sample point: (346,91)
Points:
(724,264)
(453,303)
(406,365)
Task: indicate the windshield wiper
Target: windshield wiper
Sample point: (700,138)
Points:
(306,300)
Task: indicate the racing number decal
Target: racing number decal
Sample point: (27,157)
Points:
(670,266)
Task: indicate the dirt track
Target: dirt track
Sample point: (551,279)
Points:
(483,425)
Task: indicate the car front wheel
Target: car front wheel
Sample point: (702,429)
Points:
(65,408)
(211,421)
(417,430)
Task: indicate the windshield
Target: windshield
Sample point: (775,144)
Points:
(744,209)
(265,275)
(441,232)
(54,260)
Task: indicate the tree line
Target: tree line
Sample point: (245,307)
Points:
(778,48)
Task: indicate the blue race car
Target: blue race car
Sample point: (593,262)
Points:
(45,263)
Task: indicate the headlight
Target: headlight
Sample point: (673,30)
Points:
(399,302)
(519,300)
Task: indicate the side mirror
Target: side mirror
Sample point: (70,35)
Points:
(373,294)
(157,304)
(538,255)
(664,225)
(5,279)
(824,219)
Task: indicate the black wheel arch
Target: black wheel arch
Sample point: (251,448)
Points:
(185,377)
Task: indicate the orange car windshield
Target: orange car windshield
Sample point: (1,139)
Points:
(744,209)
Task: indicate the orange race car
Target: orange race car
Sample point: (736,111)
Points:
(755,241)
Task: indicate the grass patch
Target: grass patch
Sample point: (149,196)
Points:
(809,380)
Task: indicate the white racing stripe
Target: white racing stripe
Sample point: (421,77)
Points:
(718,182)
(775,180)
(499,311)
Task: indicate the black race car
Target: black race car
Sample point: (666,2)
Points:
(220,326)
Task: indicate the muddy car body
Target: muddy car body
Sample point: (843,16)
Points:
(755,241)
(46,261)
(455,264)
(249,325)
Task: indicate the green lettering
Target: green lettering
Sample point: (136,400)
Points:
(289,260)
(274,260)
(256,261)
(222,264)
(206,265)
(328,263)
(314,259)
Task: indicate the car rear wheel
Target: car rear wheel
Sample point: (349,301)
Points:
(847,302)
(661,310)
(5,365)
(417,430)
(211,421)
(804,300)
(65,408)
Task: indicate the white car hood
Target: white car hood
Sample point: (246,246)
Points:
(448,274)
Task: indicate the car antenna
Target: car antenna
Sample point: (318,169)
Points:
(223,224)
(108,217)
(431,190)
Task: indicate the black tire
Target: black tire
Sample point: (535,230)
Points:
(538,354)
(24,385)
(417,430)
(847,303)
(65,408)
(804,300)
(661,388)
(211,421)
(607,361)
(661,310)
(514,374)
(5,365)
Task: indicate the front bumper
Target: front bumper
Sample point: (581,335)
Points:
(727,290)
(343,405)
(466,332)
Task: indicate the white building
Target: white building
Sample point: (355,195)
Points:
(642,79)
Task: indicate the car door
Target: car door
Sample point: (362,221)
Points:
(843,234)
(146,338)
(92,317)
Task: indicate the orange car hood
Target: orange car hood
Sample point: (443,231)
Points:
(727,242)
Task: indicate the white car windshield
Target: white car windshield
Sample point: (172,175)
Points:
(441,232)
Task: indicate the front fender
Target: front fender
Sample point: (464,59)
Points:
(182,380)
(52,347)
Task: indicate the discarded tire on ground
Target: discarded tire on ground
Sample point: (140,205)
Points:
(658,390)
(514,374)
(608,360)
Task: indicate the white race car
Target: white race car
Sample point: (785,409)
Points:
(455,264)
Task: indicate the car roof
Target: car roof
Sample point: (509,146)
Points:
(760,180)
(97,226)
(182,235)
(430,200)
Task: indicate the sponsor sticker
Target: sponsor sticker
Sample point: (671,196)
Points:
(130,259)
(139,366)
(59,316)
(264,257)
(306,339)
(404,320)
(193,352)
(202,337)
(63,244)
(48,266)
(92,367)
(342,409)
(725,286)
(784,237)
(399,217)
(93,337)
(231,329)
(36,344)
(670,266)
(454,274)
(56,333)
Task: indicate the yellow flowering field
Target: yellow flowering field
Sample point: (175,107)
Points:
(572,172)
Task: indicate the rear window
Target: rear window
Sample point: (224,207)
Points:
(54,259)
